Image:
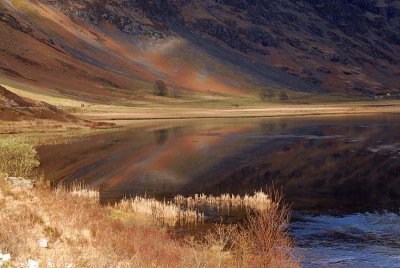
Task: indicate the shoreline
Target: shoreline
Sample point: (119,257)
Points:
(121,115)
(242,117)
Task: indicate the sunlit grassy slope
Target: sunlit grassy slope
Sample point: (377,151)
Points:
(59,59)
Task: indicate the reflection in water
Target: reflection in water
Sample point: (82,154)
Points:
(161,136)
(340,170)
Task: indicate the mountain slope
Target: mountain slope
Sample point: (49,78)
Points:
(19,114)
(15,108)
(99,51)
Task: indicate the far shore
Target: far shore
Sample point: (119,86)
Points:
(274,110)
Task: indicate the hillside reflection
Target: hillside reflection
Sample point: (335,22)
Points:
(347,163)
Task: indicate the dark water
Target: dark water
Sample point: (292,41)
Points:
(341,174)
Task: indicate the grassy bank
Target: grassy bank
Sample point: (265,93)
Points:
(82,233)
(44,126)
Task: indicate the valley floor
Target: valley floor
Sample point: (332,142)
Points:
(268,110)
(121,111)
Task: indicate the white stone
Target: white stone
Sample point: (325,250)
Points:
(33,264)
(69,265)
(43,243)
(21,182)
(6,257)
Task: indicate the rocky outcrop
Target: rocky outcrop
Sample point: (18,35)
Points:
(10,20)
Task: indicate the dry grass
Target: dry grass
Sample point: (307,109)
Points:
(37,125)
(263,236)
(80,232)
(163,213)
(184,210)
(261,241)
(83,233)
(80,190)
(259,201)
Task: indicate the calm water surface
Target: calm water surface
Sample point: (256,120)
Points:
(341,174)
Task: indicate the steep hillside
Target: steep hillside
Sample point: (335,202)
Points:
(103,51)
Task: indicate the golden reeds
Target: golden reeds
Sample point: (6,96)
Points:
(166,213)
(181,210)
(259,201)
(80,190)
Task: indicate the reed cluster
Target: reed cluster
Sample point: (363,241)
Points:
(185,210)
(259,201)
(181,210)
(165,213)
(79,189)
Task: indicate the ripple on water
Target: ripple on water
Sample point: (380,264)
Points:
(394,148)
(357,240)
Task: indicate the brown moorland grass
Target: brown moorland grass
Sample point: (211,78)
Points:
(83,233)
(80,232)
(163,213)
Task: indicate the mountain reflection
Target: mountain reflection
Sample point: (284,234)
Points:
(344,163)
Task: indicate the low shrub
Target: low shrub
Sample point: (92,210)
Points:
(160,88)
(260,241)
(17,158)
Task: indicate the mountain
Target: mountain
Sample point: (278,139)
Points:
(114,50)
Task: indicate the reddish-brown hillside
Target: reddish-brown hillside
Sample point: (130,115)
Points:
(115,50)
(15,108)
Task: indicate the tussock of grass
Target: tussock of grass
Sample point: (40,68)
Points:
(165,213)
(80,190)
